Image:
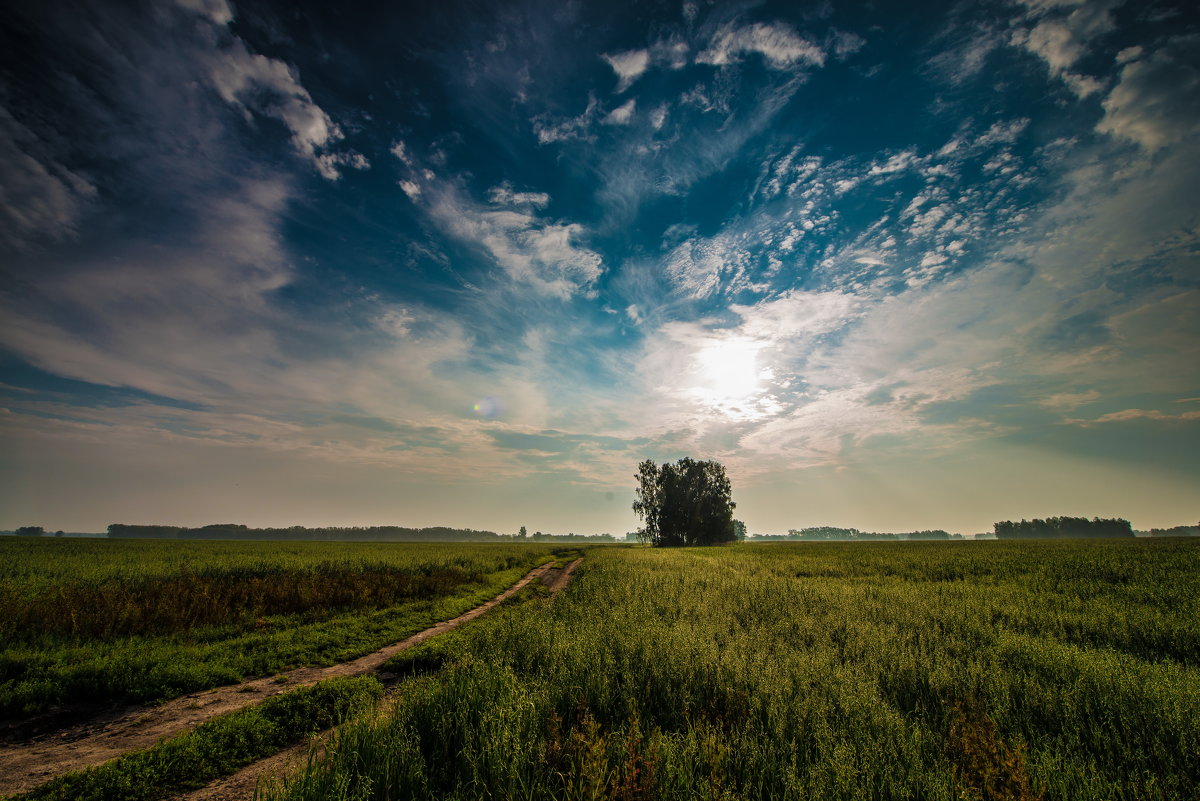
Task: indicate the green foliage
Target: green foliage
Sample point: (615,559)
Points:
(739,530)
(686,503)
(89,620)
(1176,531)
(239,531)
(218,747)
(1063,527)
(835,534)
(963,670)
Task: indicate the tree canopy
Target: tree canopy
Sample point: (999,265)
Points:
(1058,527)
(686,503)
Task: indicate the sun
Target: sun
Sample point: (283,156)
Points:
(728,372)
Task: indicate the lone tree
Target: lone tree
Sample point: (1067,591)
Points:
(686,503)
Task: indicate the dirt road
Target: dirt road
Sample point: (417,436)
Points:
(27,764)
(240,786)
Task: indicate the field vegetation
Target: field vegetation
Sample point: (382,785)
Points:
(216,748)
(956,670)
(145,620)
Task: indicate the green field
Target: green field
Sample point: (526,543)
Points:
(143,620)
(973,670)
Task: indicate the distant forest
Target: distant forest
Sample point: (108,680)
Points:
(1176,531)
(237,531)
(1063,527)
(1050,528)
(832,533)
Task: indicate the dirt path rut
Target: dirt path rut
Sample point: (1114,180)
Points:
(28,764)
(240,786)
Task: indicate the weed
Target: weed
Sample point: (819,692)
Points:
(216,748)
(810,671)
(985,767)
(144,621)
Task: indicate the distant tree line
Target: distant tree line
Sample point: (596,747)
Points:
(524,536)
(1176,531)
(1063,527)
(835,534)
(33,531)
(238,531)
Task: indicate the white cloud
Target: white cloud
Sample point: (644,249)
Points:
(966,57)
(822,429)
(396,321)
(412,189)
(1002,132)
(1156,100)
(1126,415)
(628,66)
(542,254)
(1068,401)
(898,162)
(776,42)
(700,268)
(40,199)
(257,84)
(1061,41)
(400,151)
(195,315)
(503,195)
(845,43)
(558,129)
(623,114)
(838,368)
(328,164)
(785,319)
(168,320)
(216,10)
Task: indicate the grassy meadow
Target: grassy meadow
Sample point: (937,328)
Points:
(146,620)
(967,670)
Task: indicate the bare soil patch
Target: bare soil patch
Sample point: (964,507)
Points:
(557,577)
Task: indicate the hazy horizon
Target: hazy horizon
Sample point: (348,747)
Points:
(896,268)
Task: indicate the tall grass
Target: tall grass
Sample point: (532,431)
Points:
(216,748)
(137,620)
(991,670)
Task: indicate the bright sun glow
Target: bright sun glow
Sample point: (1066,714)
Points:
(728,372)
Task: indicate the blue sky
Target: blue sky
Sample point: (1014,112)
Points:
(896,267)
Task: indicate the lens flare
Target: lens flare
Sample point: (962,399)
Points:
(489,407)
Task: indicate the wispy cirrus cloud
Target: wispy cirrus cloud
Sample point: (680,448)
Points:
(1062,39)
(545,255)
(256,84)
(779,45)
(43,200)
(1136,414)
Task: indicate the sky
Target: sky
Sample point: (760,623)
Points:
(897,266)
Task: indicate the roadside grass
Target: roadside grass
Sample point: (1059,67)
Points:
(990,670)
(216,748)
(143,621)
